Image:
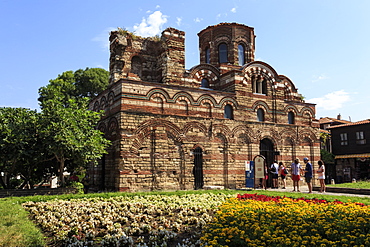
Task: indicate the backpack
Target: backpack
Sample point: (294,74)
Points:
(285,171)
(273,168)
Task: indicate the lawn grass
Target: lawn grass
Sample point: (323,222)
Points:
(17,230)
(15,227)
(357,185)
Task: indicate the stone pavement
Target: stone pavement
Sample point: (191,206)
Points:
(304,190)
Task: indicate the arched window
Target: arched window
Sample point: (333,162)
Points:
(260,115)
(259,85)
(208,55)
(241,55)
(222,53)
(136,66)
(291,117)
(204,83)
(228,112)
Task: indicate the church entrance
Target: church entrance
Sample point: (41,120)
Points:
(198,168)
(267,151)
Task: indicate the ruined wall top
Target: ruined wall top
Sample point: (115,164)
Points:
(152,59)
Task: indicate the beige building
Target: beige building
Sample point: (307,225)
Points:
(177,129)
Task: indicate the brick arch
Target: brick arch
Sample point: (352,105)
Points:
(259,68)
(158,92)
(206,98)
(194,124)
(207,71)
(290,91)
(183,96)
(290,108)
(113,130)
(227,100)
(260,104)
(243,129)
(270,136)
(289,133)
(103,102)
(307,110)
(308,134)
(102,127)
(96,106)
(110,98)
(198,146)
(145,128)
(222,129)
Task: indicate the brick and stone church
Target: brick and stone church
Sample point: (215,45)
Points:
(177,129)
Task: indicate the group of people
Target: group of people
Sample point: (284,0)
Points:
(297,170)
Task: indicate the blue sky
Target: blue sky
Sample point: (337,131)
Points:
(323,46)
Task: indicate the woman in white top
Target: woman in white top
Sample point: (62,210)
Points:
(321,173)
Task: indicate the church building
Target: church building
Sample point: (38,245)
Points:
(179,129)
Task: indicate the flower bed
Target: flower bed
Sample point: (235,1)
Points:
(259,220)
(151,220)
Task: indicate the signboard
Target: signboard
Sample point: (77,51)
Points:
(249,174)
(259,166)
(247,166)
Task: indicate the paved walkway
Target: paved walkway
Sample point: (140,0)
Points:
(304,190)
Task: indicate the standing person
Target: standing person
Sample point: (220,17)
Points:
(308,174)
(274,169)
(283,172)
(321,173)
(296,174)
(265,177)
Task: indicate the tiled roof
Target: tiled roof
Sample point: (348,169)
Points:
(331,120)
(367,121)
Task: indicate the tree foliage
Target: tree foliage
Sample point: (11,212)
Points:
(62,135)
(327,157)
(75,85)
(21,146)
(71,135)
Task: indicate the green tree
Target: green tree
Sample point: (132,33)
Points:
(91,81)
(21,148)
(327,157)
(69,131)
(75,85)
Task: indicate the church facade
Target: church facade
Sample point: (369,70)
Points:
(178,129)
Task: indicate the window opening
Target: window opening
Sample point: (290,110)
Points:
(228,112)
(343,139)
(208,56)
(241,55)
(291,117)
(260,115)
(360,138)
(222,53)
(204,83)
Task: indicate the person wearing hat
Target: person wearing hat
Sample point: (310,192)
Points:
(308,174)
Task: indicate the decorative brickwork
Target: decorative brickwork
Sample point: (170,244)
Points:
(176,129)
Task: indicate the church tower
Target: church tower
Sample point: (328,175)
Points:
(227,43)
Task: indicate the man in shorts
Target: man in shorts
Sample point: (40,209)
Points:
(274,169)
(308,174)
(296,174)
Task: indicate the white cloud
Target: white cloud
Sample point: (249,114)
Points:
(157,7)
(103,38)
(233,10)
(319,78)
(178,21)
(198,19)
(151,26)
(331,101)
